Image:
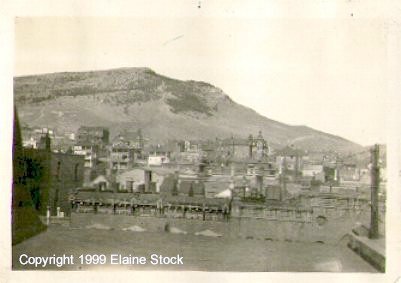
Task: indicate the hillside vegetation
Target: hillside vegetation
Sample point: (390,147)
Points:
(164,108)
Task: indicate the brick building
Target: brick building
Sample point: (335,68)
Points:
(93,135)
(49,177)
(252,148)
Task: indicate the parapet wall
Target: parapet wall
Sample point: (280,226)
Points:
(248,228)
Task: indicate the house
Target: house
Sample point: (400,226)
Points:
(101,183)
(159,154)
(192,146)
(349,172)
(89,152)
(314,171)
(93,135)
(158,160)
(134,139)
(160,150)
(143,180)
(121,156)
(310,169)
(290,160)
(186,184)
(188,151)
(253,148)
(30,143)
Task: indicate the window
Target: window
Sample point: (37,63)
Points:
(58,171)
(191,190)
(130,186)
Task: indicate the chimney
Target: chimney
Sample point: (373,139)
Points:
(259,183)
(375,184)
(87,176)
(148,179)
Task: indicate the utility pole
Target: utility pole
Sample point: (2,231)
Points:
(233,146)
(338,177)
(375,182)
(283,185)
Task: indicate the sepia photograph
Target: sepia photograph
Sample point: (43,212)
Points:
(200,143)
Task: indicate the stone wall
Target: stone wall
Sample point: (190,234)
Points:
(247,228)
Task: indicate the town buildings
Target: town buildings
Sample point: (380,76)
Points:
(126,174)
(88,151)
(93,135)
(121,156)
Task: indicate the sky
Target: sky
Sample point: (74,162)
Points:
(328,74)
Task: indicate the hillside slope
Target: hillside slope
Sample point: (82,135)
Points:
(164,108)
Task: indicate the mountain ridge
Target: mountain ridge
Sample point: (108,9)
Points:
(164,108)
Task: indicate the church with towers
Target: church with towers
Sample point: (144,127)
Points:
(258,147)
(253,148)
